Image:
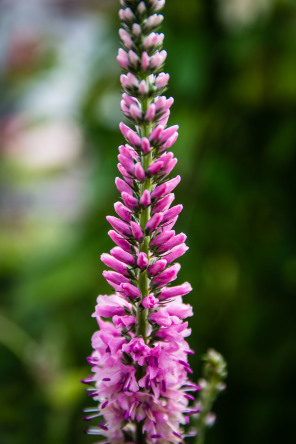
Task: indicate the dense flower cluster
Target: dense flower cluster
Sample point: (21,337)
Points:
(140,358)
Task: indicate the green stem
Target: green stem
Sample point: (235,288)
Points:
(143,277)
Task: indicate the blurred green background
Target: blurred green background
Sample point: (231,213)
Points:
(233,76)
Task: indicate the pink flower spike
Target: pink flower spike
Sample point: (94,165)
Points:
(118,240)
(157,267)
(145,199)
(142,261)
(165,187)
(175,253)
(139,172)
(123,256)
(179,290)
(122,211)
(149,301)
(153,223)
(172,213)
(130,201)
(130,290)
(137,231)
(118,225)
(162,80)
(122,59)
(145,145)
(111,262)
(145,61)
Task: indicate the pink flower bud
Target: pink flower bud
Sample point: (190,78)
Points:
(157,59)
(111,262)
(168,275)
(172,213)
(135,112)
(142,261)
(162,80)
(175,253)
(115,278)
(123,256)
(121,185)
(156,134)
(118,240)
(125,37)
(141,8)
(159,5)
(170,166)
(145,145)
(157,267)
(133,58)
(165,188)
(122,59)
(122,211)
(154,167)
(179,290)
(130,201)
(118,225)
(153,223)
(145,61)
(150,113)
(143,88)
(124,129)
(137,231)
(127,163)
(170,142)
(133,138)
(162,238)
(154,21)
(130,290)
(173,242)
(168,132)
(149,301)
(139,172)
(145,199)
(164,203)
(136,28)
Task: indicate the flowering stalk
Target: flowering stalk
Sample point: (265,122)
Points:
(140,359)
(212,383)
